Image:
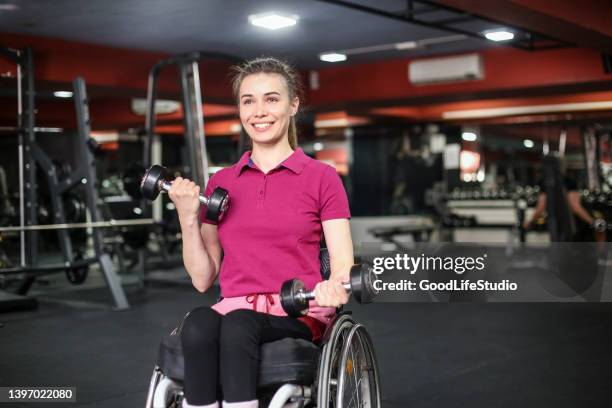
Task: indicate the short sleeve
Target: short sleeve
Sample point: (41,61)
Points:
(213,182)
(333,199)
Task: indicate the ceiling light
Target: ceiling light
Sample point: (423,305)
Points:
(8,7)
(273,21)
(62,94)
(528,143)
(406,45)
(332,57)
(499,35)
(469,136)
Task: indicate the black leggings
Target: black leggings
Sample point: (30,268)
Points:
(224,350)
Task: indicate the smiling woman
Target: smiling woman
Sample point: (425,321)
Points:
(282,203)
(267,108)
(269,89)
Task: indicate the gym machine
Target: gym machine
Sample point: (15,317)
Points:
(31,156)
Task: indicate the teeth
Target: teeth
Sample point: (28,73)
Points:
(262,125)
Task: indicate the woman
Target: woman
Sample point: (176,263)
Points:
(281,202)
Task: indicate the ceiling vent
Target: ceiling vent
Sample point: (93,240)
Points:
(449,69)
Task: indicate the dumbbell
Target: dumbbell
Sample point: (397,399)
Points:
(599,225)
(294,297)
(155,181)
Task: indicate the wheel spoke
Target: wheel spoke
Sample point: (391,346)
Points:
(356,394)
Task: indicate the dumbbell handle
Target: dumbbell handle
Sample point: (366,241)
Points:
(165,186)
(310,294)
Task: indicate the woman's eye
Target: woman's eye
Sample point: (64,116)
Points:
(272,99)
(247,101)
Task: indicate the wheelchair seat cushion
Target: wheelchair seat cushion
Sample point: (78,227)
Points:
(282,361)
(288,361)
(170,357)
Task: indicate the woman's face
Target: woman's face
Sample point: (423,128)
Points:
(265,107)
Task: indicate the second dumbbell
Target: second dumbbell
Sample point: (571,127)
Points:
(155,180)
(295,297)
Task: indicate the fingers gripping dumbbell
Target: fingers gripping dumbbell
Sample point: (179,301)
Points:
(155,181)
(295,298)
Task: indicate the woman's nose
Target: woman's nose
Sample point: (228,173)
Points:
(260,109)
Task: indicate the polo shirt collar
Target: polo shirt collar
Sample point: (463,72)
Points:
(296,162)
(242,163)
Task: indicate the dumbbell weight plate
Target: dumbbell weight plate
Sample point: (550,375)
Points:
(292,305)
(131,180)
(77,275)
(362,283)
(74,208)
(150,182)
(217,204)
(600,225)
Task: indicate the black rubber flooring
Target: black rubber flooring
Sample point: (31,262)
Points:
(430,354)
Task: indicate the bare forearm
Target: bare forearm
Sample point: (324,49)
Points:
(340,247)
(341,268)
(198,262)
(573,198)
(539,210)
(583,214)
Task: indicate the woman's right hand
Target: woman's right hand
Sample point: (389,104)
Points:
(184,194)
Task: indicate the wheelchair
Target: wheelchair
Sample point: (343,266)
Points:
(341,371)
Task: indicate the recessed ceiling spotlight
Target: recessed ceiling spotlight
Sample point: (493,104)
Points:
(528,143)
(469,136)
(332,57)
(499,35)
(273,21)
(8,7)
(62,94)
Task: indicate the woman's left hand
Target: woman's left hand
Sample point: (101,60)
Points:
(330,293)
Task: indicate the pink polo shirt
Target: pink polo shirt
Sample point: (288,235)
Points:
(272,230)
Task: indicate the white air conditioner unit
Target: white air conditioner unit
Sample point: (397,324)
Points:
(448,69)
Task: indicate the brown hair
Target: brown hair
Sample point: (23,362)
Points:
(268,65)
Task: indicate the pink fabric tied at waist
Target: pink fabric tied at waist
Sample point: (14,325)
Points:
(270,303)
(255,297)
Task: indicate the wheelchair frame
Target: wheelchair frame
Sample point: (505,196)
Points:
(347,362)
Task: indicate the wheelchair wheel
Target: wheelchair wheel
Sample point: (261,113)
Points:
(163,392)
(348,372)
(152,386)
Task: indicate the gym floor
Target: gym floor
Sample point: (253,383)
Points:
(437,355)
